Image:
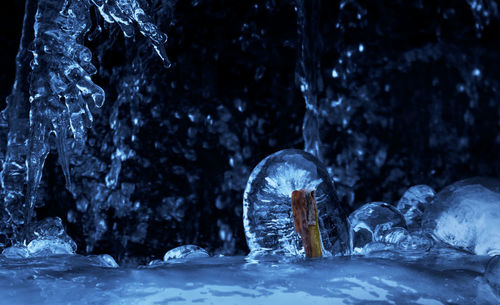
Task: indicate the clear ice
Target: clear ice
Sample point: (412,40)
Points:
(413,203)
(375,222)
(54,95)
(466,215)
(267,207)
(185,252)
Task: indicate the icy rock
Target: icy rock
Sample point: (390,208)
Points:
(185,252)
(492,273)
(51,239)
(466,215)
(16,251)
(267,205)
(413,202)
(376,222)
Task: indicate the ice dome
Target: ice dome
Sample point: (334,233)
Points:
(267,208)
(466,215)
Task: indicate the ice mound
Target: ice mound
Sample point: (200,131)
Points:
(413,203)
(16,251)
(106,260)
(267,208)
(185,252)
(51,239)
(466,215)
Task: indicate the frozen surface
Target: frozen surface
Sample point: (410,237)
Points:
(267,204)
(232,280)
(466,215)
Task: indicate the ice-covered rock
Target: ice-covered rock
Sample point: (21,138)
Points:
(466,215)
(413,203)
(376,222)
(16,251)
(267,205)
(51,239)
(185,252)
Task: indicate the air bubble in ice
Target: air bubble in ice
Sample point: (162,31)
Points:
(267,205)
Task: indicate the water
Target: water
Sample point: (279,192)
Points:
(233,280)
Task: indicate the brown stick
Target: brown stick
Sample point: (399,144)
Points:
(305,217)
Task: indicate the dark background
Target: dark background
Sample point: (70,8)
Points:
(413,111)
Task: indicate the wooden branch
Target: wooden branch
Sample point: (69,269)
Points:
(305,217)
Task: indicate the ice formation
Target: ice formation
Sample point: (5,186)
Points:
(185,252)
(49,238)
(375,222)
(55,95)
(267,210)
(466,215)
(413,203)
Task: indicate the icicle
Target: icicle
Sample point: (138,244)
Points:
(17,116)
(128,12)
(60,89)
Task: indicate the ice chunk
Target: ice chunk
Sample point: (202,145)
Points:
(375,222)
(16,251)
(185,252)
(492,273)
(466,215)
(106,260)
(413,203)
(51,239)
(267,209)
